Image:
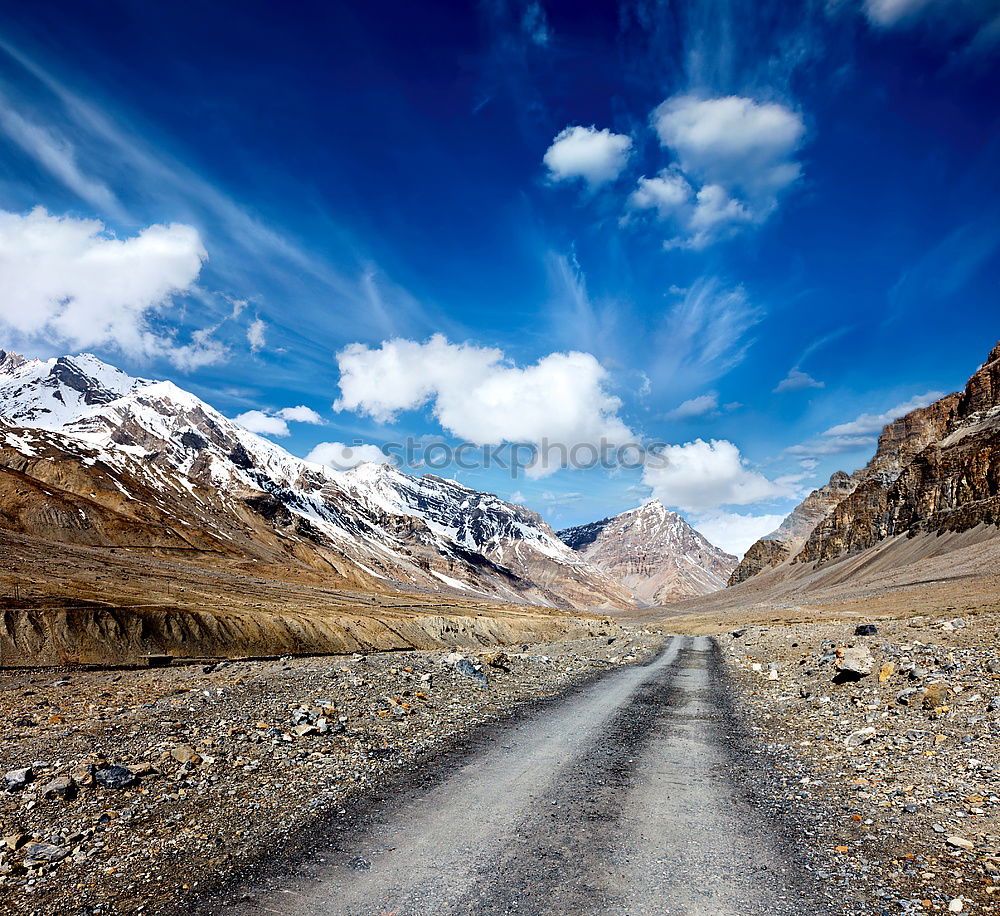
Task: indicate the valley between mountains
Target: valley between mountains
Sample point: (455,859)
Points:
(232,680)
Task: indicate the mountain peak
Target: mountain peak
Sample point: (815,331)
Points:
(654,551)
(10,361)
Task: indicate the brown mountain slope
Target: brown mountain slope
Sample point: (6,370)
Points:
(654,552)
(789,538)
(935,469)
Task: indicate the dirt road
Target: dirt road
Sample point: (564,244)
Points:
(617,799)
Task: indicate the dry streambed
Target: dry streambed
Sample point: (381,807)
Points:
(885,746)
(134,791)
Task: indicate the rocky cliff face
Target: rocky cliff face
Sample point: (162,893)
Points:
(789,538)
(91,455)
(654,552)
(935,469)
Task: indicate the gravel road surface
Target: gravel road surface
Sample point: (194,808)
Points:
(619,798)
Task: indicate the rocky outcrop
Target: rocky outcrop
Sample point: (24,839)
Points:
(789,538)
(122,636)
(654,552)
(936,469)
(763,554)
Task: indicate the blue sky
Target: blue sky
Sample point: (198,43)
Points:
(748,230)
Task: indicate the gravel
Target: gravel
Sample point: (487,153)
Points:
(185,777)
(891,776)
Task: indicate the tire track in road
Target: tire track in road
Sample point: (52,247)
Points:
(616,800)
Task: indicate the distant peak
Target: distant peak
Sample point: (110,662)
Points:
(10,361)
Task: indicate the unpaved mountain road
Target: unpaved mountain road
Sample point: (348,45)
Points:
(617,799)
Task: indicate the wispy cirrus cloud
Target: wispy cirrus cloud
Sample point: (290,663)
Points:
(706,333)
(861,432)
(103,156)
(874,422)
(976,22)
(58,156)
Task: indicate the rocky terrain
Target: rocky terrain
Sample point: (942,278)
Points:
(139,791)
(936,469)
(654,552)
(884,738)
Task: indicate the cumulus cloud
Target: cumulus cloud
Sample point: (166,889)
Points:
(733,158)
(668,194)
(733,532)
(796,380)
(257,335)
(733,141)
(256,421)
(300,414)
(695,407)
(72,281)
(596,156)
(275,422)
(699,476)
(342,457)
(478,395)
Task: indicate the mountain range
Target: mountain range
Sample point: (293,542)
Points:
(93,456)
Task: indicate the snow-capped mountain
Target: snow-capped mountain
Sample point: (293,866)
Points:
(372,526)
(654,552)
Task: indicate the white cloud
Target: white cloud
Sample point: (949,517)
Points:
(698,476)
(300,414)
(668,193)
(733,158)
(342,457)
(695,407)
(834,445)
(275,422)
(860,433)
(477,395)
(873,422)
(256,421)
(596,156)
(892,12)
(976,22)
(733,532)
(72,281)
(732,141)
(257,335)
(796,380)
(535,24)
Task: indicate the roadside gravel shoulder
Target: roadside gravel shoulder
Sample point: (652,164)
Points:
(883,750)
(140,791)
